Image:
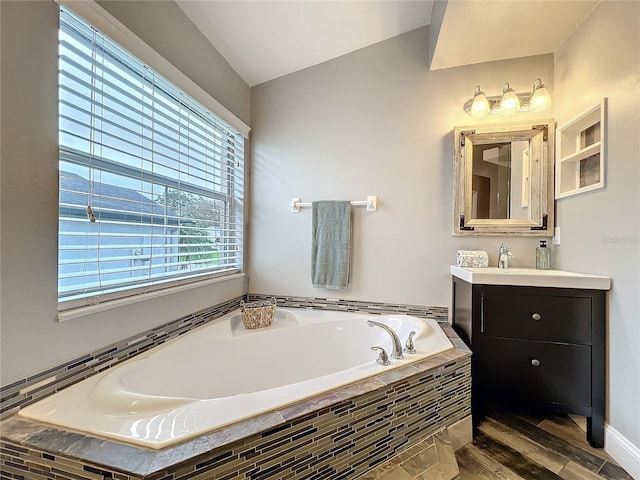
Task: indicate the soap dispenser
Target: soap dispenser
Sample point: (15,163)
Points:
(543,256)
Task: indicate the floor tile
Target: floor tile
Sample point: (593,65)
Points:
(396,474)
(466,474)
(516,461)
(566,428)
(424,460)
(507,447)
(536,452)
(572,452)
(611,471)
(571,471)
(484,467)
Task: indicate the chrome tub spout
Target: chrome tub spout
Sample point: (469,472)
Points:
(397,345)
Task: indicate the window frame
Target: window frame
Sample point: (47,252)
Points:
(109,26)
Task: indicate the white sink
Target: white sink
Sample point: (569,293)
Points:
(531,277)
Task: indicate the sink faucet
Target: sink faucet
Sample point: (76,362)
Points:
(397,346)
(504,254)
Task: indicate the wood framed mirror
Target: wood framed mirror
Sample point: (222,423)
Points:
(503,180)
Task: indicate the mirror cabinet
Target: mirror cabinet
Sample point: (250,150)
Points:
(503,180)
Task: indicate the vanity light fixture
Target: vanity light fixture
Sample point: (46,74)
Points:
(509,102)
(479,105)
(540,99)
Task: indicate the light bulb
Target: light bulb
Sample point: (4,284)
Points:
(510,102)
(540,100)
(480,105)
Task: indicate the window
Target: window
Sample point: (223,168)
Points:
(151,182)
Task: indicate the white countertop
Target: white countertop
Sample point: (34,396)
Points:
(531,277)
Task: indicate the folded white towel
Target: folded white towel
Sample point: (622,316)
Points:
(472,258)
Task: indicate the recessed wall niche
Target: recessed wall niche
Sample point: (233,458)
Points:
(580,156)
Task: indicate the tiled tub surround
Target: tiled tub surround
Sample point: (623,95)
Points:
(340,434)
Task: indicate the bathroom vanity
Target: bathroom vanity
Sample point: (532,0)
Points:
(538,340)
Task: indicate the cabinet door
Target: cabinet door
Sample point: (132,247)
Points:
(542,371)
(552,318)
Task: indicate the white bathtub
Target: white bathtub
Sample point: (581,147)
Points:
(222,373)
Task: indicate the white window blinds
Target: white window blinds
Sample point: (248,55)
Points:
(151,183)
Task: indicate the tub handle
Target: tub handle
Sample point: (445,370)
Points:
(408,347)
(383,358)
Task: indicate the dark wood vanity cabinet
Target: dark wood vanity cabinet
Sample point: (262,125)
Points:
(535,347)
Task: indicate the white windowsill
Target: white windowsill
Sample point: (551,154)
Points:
(120,302)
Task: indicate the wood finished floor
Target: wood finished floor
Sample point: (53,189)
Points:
(514,446)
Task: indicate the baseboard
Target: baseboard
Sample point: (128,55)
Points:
(623,451)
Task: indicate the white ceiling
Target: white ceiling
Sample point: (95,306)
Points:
(486,30)
(266,39)
(263,40)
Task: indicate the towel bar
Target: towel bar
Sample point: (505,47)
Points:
(371,203)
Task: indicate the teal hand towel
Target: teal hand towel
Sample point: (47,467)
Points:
(331,244)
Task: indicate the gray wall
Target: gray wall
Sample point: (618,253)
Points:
(435,24)
(32,340)
(377,122)
(374,122)
(600,230)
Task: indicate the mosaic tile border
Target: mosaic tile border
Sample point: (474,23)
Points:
(335,304)
(338,435)
(28,390)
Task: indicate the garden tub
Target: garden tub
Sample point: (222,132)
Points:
(222,373)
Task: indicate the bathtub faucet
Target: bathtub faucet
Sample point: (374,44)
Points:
(397,346)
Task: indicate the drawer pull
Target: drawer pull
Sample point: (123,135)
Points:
(536,316)
(535,362)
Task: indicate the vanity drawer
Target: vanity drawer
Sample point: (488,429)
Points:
(538,371)
(551,318)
